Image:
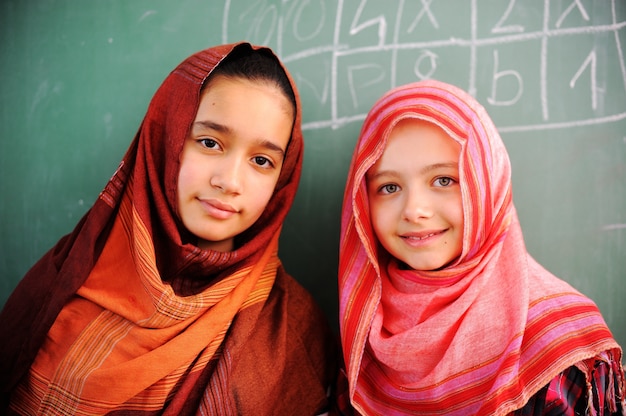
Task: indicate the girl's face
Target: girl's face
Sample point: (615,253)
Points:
(415,196)
(231,159)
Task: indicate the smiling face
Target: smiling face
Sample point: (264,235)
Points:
(232,158)
(415,196)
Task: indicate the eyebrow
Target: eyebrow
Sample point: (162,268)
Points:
(426,169)
(221,128)
(213,126)
(443,165)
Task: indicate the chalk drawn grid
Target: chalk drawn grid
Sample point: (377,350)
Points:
(276,23)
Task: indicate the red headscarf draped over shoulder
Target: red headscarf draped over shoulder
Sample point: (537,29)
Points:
(480,336)
(134,227)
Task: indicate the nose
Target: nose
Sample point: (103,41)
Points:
(418,206)
(227,176)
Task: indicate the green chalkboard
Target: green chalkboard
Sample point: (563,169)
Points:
(77,76)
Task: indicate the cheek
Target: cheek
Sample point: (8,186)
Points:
(184,185)
(379,220)
(457,211)
(456,217)
(262,193)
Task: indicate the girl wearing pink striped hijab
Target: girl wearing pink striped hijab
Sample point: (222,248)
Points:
(442,309)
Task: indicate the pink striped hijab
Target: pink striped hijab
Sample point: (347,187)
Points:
(480,336)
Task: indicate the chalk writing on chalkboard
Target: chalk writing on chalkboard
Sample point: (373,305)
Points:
(538,66)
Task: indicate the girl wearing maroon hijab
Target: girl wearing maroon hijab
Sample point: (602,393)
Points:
(169,296)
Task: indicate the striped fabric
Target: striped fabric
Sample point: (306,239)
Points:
(485,333)
(129,330)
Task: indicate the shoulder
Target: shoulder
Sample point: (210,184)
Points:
(288,361)
(552,300)
(565,339)
(304,318)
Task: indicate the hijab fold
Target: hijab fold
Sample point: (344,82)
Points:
(480,336)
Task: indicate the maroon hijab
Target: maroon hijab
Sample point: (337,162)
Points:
(152,162)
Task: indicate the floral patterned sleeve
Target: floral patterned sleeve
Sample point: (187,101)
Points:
(567,394)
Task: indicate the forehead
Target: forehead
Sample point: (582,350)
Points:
(245,108)
(222,86)
(414,139)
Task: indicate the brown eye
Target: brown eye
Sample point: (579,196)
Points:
(389,188)
(444,181)
(208,143)
(263,162)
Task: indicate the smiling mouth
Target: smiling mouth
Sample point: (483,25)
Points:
(419,237)
(218,209)
(221,206)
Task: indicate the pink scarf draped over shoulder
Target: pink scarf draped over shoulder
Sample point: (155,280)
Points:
(480,336)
